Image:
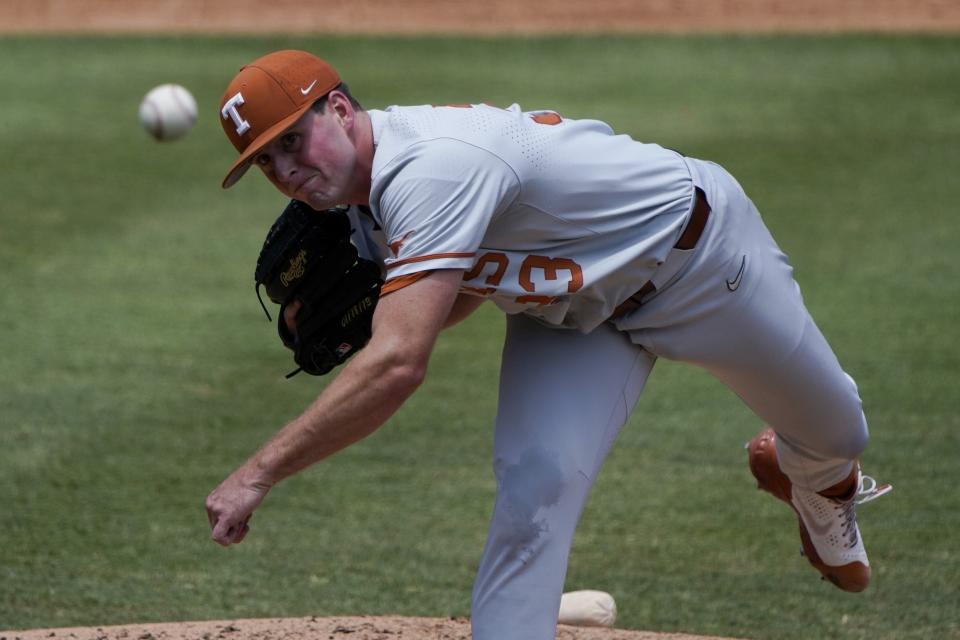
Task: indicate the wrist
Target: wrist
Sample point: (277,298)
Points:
(257,473)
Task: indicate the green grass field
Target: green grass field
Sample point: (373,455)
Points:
(138,369)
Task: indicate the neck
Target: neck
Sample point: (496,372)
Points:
(364,145)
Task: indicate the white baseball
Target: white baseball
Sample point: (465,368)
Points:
(588,609)
(168,112)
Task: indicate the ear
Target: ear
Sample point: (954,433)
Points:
(341,106)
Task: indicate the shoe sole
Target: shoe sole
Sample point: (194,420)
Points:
(853,577)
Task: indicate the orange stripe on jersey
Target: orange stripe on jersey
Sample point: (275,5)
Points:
(486,291)
(395,284)
(432,256)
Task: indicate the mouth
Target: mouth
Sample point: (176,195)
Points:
(302,188)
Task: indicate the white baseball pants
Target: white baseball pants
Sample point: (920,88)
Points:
(733,309)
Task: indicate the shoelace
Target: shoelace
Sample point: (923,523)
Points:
(872,492)
(867,490)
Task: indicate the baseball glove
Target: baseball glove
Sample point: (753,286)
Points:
(308,256)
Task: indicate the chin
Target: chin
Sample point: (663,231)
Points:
(319,201)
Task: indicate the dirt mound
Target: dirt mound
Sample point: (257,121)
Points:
(313,628)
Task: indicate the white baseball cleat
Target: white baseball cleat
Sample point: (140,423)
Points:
(828,519)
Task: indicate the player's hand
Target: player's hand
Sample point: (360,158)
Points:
(290,315)
(230,506)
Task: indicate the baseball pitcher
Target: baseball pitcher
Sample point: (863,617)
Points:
(604,253)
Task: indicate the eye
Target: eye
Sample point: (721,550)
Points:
(261,160)
(289,141)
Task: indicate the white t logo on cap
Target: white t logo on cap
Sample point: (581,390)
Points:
(230,110)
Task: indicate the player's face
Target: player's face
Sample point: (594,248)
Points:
(315,160)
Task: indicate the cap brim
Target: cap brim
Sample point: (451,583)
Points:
(240,166)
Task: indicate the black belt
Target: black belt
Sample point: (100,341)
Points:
(688,240)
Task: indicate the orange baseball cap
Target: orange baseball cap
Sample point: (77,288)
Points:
(266,97)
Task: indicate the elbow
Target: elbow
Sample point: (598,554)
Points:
(401,373)
(404,379)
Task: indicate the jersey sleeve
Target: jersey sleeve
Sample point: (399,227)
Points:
(367,236)
(435,201)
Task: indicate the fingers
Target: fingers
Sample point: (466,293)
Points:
(223,528)
(242,533)
(230,506)
(290,315)
(222,533)
(212,510)
(226,534)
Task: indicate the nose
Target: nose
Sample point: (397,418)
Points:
(284,167)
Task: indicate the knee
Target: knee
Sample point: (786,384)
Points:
(852,441)
(536,480)
(849,436)
(843,438)
(532,497)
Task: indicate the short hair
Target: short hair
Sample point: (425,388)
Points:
(321,103)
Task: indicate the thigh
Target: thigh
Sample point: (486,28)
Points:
(769,351)
(564,393)
(772,355)
(760,340)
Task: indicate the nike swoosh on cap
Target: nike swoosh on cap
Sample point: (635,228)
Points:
(308,89)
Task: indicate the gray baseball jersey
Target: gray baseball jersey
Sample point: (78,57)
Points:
(553,217)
